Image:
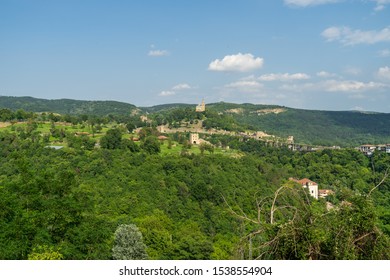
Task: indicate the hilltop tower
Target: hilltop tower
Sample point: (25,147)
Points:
(194,138)
(201,107)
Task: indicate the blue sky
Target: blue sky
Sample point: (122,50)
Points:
(312,54)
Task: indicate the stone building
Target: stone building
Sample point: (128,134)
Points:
(201,107)
(194,138)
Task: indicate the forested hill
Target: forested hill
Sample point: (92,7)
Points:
(340,128)
(66,106)
(311,126)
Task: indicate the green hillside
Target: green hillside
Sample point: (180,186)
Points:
(324,127)
(329,128)
(66,106)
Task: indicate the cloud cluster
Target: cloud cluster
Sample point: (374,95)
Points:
(348,36)
(237,63)
(349,86)
(299,82)
(253,84)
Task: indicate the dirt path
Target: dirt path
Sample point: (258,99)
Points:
(4,124)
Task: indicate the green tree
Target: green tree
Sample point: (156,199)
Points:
(45,253)
(157,232)
(151,145)
(128,244)
(112,140)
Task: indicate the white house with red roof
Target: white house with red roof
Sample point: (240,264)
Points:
(310,185)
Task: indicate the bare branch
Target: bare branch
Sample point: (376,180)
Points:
(363,236)
(381,182)
(273,204)
(244,217)
(259,205)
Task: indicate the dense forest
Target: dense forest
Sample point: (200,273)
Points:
(74,202)
(66,106)
(111,186)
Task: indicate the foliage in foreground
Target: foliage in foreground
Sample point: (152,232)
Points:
(68,203)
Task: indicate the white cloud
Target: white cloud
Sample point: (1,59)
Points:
(306,3)
(237,62)
(380,4)
(158,53)
(246,86)
(348,36)
(350,86)
(167,93)
(384,73)
(175,89)
(181,87)
(286,77)
(384,53)
(325,74)
(342,86)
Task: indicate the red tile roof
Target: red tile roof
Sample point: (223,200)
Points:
(304,181)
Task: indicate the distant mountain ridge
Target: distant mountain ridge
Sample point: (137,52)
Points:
(343,128)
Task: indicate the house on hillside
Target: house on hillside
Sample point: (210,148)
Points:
(324,193)
(367,149)
(310,185)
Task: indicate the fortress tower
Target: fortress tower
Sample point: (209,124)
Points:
(201,107)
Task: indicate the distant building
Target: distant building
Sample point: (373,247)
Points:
(306,183)
(324,193)
(261,134)
(194,138)
(162,129)
(368,149)
(162,137)
(201,107)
